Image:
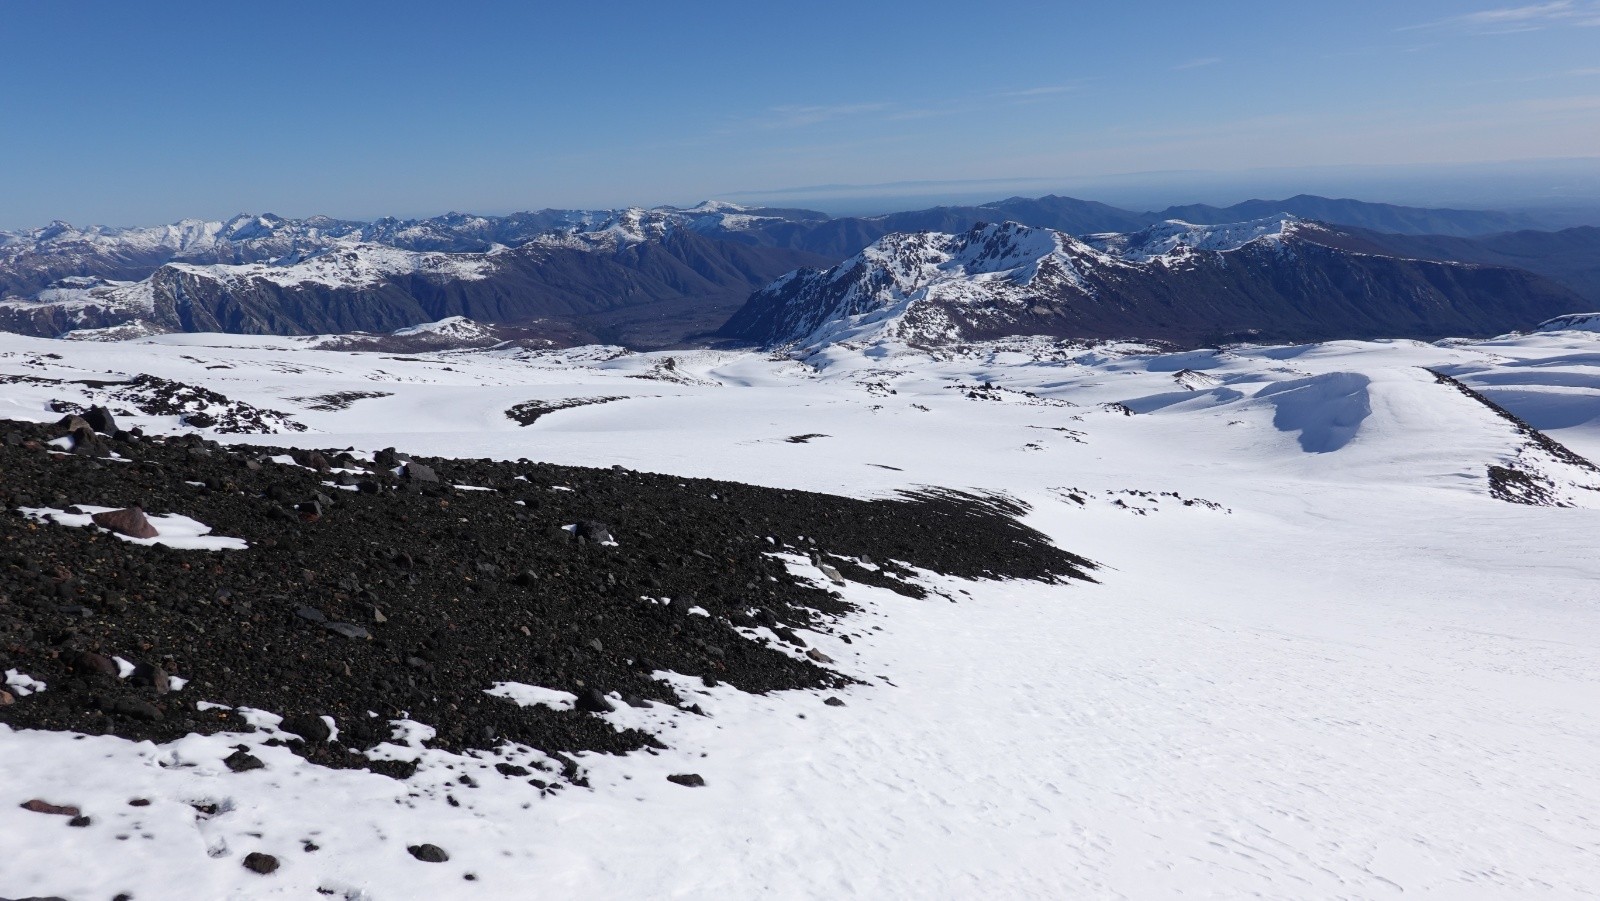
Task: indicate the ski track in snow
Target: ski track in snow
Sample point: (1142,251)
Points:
(1364,678)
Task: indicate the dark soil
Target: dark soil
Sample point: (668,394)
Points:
(409,597)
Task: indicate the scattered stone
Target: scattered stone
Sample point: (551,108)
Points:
(80,821)
(428,853)
(833,702)
(350,630)
(832,573)
(688,780)
(818,656)
(129,521)
(256,862)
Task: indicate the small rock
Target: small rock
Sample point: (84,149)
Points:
(818,656)
(417,472)
(350,630)
(833,702)
(832,574)
(6,699)
(256,862)
(100,419)
(89,662)
(151,677)
(591,530)
(131,707)
(241,762)
(428,853)
(592,701)
(311,614)
(129,521)
(688,780)
(594,643)
(60,810)
(311,728)
(80,821)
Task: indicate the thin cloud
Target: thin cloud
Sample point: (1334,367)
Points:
(1039,91)
(801,116)
(1200,63)
(1517,19)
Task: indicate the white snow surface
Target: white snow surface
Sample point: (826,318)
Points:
(1351,674)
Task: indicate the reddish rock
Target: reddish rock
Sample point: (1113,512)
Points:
(129,521)
(90,662)
(38,806)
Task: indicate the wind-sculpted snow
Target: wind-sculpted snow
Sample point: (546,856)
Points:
(1326,410)
(1342,642)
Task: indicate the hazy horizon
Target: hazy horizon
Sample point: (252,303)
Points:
(138,115)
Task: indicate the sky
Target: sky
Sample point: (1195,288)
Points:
(134,113)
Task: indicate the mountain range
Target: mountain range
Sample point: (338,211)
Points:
(1270,280)
(665,276)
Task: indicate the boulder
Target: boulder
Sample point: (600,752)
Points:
(428,853)
(417,472)
(129,521)
(100,419)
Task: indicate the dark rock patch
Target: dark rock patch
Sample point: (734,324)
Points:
(428,853)
(256,862)
(474,588)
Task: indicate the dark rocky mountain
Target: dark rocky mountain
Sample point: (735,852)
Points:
(846,236)
(645,278)
(1269,280)
(1570,256)
(1384,217)
(644,292)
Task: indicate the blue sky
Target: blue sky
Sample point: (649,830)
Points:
(126,113)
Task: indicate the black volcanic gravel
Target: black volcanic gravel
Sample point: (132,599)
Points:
(410,598)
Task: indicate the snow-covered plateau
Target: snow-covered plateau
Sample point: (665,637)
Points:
(1331,652)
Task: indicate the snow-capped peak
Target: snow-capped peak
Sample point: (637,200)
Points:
(1175,237)
(1575,322)
(715,206)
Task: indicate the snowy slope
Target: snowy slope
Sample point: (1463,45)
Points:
(1323,660)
